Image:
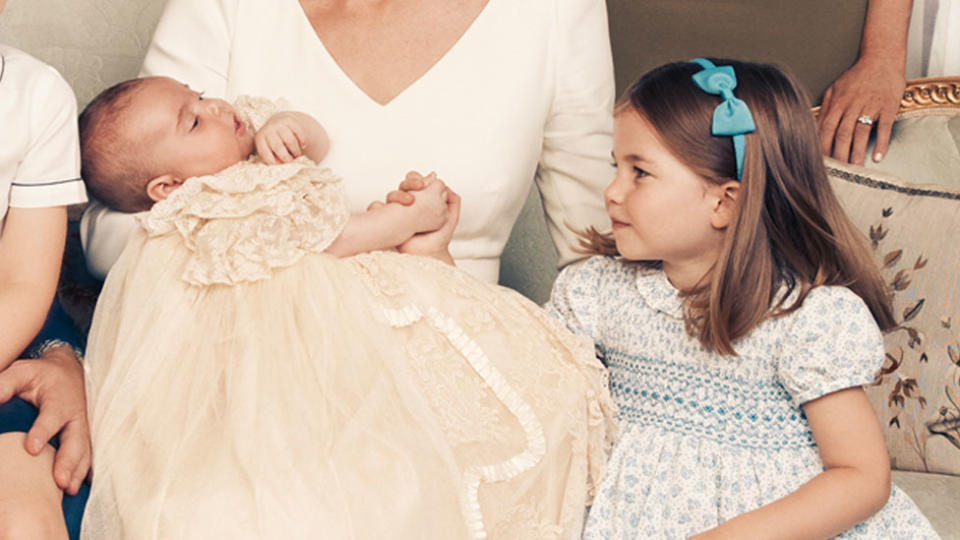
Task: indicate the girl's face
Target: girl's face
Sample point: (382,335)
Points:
(660,209)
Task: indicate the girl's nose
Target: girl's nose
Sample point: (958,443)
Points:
(614,191)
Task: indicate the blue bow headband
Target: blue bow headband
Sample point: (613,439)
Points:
(731,117)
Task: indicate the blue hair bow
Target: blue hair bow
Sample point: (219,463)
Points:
(732,117)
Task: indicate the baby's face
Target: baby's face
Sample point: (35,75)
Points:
(183,133)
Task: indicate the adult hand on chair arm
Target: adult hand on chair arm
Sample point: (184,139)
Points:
(867,96)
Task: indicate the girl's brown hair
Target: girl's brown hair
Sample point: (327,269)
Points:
(790,232)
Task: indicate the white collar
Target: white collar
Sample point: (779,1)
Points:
(658,293)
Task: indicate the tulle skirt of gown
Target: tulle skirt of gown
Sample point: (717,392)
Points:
(380,396)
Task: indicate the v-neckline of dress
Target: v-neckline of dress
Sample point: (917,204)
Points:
(348,81)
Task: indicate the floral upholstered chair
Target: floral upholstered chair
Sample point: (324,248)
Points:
(909,207)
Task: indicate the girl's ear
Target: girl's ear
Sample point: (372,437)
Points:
(161,187)
(725,204)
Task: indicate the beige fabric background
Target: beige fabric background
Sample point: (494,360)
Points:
(93,43)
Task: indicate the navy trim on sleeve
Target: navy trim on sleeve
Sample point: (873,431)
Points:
(42,184)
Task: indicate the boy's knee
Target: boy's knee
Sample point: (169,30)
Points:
(33,520)
(30,501)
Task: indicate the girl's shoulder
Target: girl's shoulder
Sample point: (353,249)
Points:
(832,302)
(828,313)
(24,77)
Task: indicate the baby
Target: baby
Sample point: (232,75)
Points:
(244,383)
(142,139)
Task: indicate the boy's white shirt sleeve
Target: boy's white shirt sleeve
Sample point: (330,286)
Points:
(192,45)
(575,164)
(49,172)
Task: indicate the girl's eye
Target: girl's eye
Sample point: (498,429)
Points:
(639,173)
(613,164)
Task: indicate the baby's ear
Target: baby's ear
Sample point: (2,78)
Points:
(725,206)
(161,187)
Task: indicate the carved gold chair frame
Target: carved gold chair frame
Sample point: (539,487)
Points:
(931,92)
(927,93)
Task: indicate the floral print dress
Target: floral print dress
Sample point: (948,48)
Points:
(703,437)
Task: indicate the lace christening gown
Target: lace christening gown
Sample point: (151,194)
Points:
(242,384)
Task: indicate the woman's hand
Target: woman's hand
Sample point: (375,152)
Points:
(436,243)
(428,212)
(413,182)
(54,384)
(869,90)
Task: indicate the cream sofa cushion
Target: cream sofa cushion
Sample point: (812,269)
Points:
(914,229)
(926,149)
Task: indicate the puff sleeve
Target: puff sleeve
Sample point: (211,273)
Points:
(833,343)
(575,298)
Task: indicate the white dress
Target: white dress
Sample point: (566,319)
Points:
(704,437)
(243,384)
(527,90)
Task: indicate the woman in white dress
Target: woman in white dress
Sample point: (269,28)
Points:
(489,93)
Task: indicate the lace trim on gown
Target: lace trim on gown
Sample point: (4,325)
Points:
(250,219)
(478,360)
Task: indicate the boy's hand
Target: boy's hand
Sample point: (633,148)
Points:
(54,384)
(288,135)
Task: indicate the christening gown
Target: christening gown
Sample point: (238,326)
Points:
(243,384)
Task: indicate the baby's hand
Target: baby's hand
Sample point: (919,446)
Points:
(429,207)
(288,135)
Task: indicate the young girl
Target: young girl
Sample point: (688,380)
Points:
(245,383)
(39,177)
(737,310)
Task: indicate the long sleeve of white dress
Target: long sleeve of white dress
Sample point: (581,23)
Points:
(575,161)
(526,93)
